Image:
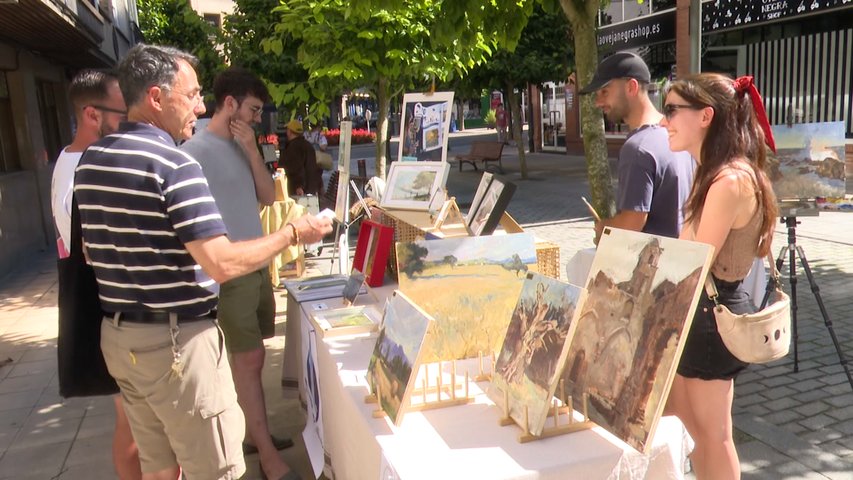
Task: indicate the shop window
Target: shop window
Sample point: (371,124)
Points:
(9,160)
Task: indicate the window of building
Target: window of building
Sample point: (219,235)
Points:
(9,160)
(214,19)
(49,116)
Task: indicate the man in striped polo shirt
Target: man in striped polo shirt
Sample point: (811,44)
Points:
(158,246)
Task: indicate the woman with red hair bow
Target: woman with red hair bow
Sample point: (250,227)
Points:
(721,122)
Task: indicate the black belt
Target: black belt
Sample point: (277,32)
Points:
(159,316)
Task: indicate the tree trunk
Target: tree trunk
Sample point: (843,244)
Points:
(382,127)
(581,15)
(460,115)
(515,111)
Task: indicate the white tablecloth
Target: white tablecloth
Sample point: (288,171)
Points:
(463,442)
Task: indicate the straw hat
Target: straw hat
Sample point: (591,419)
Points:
(294,126)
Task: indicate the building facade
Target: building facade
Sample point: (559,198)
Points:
(800,53)
(43,43)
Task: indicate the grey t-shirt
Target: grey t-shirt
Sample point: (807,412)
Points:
(653,179)
(231,183)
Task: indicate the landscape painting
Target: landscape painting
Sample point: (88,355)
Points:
(528,368)
(397,354)
(412,185)
(469,285)
(809,161)
(642,291)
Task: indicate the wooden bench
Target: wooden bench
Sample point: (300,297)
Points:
(483,152)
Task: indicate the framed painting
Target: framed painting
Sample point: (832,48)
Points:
(486,217)
(371,251)
(396,357)
(485,180)
(424,127)
(642,292)
(345,148)
(534,349)
(412,185)
(342,202)
(469,285)
(346,321)
(353,287)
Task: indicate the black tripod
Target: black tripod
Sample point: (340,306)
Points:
(795,251)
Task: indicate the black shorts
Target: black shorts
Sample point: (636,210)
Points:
(705,356)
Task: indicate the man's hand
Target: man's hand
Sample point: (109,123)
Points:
(245,136)
(312,229)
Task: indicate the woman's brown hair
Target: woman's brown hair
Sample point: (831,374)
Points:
(734,133)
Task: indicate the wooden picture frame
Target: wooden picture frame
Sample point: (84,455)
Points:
(412,185)
(372,250)
(425,127)
(491,207)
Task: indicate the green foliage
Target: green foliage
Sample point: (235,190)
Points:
(175,23)
(411,258)
(490,118)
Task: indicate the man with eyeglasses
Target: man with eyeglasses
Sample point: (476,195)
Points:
(654,182)
(98,109)
(159,249)
(238,179)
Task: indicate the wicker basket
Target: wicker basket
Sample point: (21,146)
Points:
(548,259)
(403,232)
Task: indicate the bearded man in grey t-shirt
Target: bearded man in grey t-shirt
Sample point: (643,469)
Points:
(239,181)
(654,182)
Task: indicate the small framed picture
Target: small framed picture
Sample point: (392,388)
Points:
(486,217)
(372,250)
(411,185)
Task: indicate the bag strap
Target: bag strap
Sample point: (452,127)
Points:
(711,289)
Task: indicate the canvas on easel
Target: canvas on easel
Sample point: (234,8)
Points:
(396,358)
(469,285)
(529,365)
(642,292)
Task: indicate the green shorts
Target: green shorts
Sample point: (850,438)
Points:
(246,311)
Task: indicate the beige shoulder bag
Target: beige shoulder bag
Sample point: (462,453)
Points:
(758,337)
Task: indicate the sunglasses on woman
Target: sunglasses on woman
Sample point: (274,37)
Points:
(670,108)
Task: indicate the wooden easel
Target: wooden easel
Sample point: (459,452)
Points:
(449,212)
(432,395)
(558,408)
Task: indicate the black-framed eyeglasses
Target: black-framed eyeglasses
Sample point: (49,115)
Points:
(108,109)
(670,108)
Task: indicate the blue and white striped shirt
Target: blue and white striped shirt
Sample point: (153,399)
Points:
(141,199)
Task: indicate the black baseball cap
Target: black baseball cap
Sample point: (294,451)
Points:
(618,65)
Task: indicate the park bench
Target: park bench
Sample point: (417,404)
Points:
(485,152)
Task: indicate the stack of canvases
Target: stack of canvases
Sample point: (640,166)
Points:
(617,341)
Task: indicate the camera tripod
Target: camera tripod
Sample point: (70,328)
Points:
(794,251)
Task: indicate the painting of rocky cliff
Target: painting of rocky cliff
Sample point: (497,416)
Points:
(469,285)
(809,161)
(534,349)
(397,355)
(642,291)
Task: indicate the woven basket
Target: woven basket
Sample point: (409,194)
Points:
(548,259)
(403,232)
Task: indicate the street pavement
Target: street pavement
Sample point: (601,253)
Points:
(789,425)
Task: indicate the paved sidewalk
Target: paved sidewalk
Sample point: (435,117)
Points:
(789,425)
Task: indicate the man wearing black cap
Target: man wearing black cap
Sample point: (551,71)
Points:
(654,182)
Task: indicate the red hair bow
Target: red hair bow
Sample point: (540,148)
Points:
(746,84)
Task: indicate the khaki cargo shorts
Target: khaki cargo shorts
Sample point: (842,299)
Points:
(193,420)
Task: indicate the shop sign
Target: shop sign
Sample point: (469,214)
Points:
(725,14)
(639,32)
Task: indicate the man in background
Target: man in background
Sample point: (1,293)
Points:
(98,110)
(654,182)
(238,180)
(299,162)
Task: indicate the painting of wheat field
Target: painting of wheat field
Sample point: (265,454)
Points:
(397,355)
(531,360)
(642,292)
(469,285)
